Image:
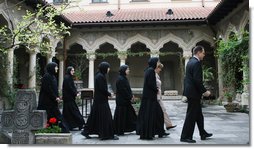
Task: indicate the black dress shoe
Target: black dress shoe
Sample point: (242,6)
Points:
(171,127)
(115,138)
(188,140)
(85,135)
(207,135)
(164,135)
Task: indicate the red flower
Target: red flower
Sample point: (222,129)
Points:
(52,120)
(47,125)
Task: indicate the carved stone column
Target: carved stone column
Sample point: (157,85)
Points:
(49,58)
(32,70)
(245,95)
(61,71)
(10,68)
(187,56)
(122,56)
(220,78)
(91,58)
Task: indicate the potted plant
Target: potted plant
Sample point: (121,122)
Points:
(230,106)
(51,134)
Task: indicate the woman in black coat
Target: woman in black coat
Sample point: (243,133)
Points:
(49,97)
(71,111)
(125,116)
(100,120)
(150,118)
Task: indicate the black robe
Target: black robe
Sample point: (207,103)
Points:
(71,111)
(125,116)
(100,120)
(150,118)
(48,95)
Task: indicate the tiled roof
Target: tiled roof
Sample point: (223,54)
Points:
(136,15)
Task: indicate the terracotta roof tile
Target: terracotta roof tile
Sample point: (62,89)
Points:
(134,15)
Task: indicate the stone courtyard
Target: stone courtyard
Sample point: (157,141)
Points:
(227,128)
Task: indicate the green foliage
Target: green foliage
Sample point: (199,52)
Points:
(207,73)
(228,94)
(34,30)
(104,55)
(234,56)
(137,102)
(52,127)
(80,64)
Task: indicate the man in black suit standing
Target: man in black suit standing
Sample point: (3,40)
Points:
(193,90)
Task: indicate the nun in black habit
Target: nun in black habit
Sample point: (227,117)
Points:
(71,111)
(100,120)
(125,117)
(49,97)
(150,118)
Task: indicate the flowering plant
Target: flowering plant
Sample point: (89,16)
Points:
(51,127)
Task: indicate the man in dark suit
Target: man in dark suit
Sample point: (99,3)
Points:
(193,90)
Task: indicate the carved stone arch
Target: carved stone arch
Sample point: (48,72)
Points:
(7,19)
(138,38)
(168,38)
(205,37)
(55,42)
(55,45)
(80,41)
(106,39)
(244,20)
(230,28)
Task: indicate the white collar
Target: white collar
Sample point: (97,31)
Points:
(196,57)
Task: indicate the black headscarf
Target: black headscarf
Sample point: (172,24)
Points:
(152,62)
(103,67)
(122,70)
(51,68)
(68,70)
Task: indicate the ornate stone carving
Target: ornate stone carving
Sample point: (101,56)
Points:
(23,118)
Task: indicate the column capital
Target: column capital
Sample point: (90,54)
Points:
(91,56)
(154,53)
(122,55)
(33,50)
(12,49)
(187,55)
(60,57)
(49,55)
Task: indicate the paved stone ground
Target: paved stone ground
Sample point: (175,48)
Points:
(227,128)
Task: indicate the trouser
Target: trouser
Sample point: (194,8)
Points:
(167,120)
(193,115)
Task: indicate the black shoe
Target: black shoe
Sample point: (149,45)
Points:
(188,140)
(115,138)
(85,135)
(164,135)
(171,127)
(207,135)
